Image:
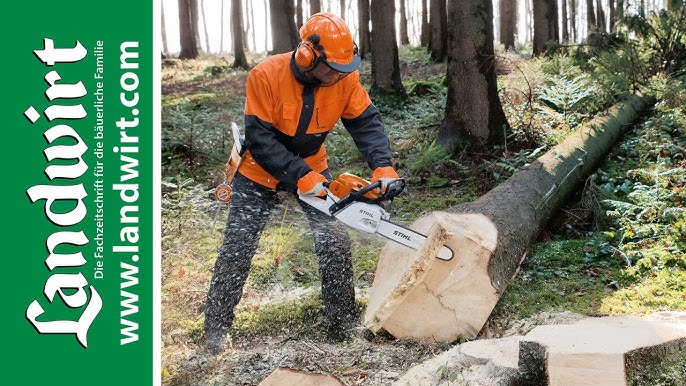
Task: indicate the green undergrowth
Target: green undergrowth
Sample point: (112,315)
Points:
(633,260)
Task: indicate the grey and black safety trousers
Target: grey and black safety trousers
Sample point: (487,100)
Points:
(249,211)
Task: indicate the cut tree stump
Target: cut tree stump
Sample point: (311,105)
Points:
(290,377)
(607,351)
(415,295)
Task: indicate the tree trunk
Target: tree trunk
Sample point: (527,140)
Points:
(163,28)
(545,25)
(565,21)
(386,80)
(600,16)
(572,13)
(284,34)
(591,21)
(204,25)
(341,5)
(237,35)
(299,21)
(473,113)
(425,37)
(195,20)
(404,38)
(189,46)
(365,43)
(489,238)
(315,6)
(613,15)
(221,28)
(508,22)
(529,16)
(439,30)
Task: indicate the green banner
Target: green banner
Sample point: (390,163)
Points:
(79,193)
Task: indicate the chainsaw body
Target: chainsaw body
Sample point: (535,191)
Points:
(359,204)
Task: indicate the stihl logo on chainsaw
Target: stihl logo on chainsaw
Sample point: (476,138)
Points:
(401,235)
(364,212)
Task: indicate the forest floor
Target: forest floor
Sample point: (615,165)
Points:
(616,248)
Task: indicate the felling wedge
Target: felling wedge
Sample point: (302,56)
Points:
(358,204)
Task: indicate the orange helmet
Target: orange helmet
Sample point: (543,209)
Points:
(325,35)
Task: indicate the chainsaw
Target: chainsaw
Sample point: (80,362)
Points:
(360,204)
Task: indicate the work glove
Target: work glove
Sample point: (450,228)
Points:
(385,174)
(312,184)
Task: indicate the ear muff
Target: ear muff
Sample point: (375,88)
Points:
(308,51)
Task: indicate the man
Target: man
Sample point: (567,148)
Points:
(292,101)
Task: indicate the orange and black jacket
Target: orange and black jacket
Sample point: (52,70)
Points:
(287,120)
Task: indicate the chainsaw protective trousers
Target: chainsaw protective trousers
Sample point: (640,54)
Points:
(249,211)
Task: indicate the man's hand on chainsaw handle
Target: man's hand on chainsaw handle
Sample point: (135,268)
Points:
(385,174)
(312,184)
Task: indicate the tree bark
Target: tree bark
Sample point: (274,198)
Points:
(284,34)
(163,28)
(365,43)
(299,14)
(591,21)
(489,238)
(204,25)
(572,13)
(439,30)
(508,22)
(237,35)
(425,37)
(189,46)
(473,113)
(545,25)
(600,16)
(315,6)
(564,21)
(386,80)
(404,38)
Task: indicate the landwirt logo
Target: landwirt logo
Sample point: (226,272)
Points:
(68,192)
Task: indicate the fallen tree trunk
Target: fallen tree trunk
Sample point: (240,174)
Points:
(415,295)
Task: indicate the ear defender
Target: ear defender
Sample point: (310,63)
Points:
(308,51)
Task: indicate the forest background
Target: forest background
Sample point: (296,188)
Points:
(615,247)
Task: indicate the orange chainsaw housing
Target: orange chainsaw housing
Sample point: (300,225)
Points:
(346,182)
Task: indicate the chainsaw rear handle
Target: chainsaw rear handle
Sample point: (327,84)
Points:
(393,189)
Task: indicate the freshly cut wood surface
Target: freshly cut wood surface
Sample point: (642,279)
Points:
(600,351)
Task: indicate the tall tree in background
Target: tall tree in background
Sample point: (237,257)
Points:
(315,6)
(195,19)
(600,16)
(364,46)
(299,14)
(473,113)
(545,24)
(187,26)
(572,19)
(439,30)
(385,64)
(404,39)
(425,35)
(239,59)
(204,24)
(565,21)
(341,5)
(508,22)
(163,27)
(284,33)
(591,22)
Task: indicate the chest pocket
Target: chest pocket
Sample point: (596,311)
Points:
(288,119)
(325,117)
